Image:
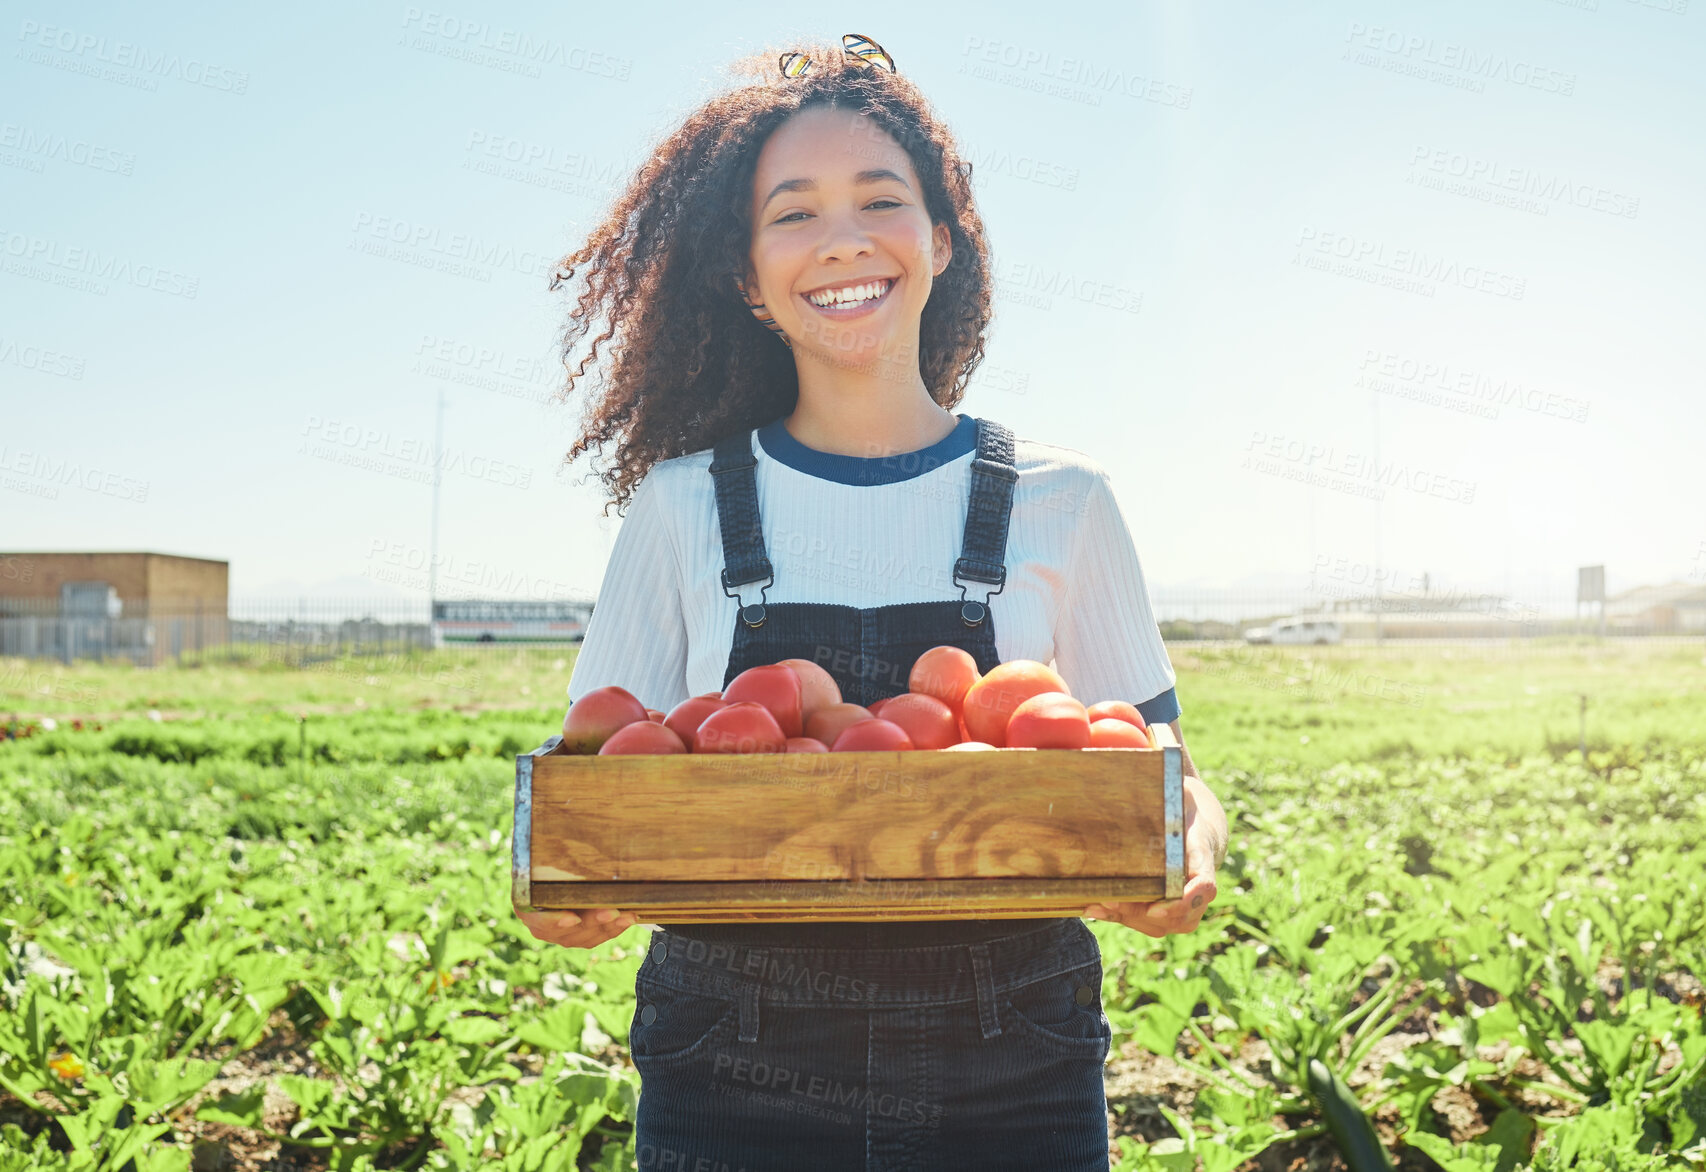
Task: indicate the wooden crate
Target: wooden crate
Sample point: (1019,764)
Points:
(787,837)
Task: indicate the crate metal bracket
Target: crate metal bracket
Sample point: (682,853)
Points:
(1173,807)
(521,846)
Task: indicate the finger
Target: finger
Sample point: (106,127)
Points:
(568,920)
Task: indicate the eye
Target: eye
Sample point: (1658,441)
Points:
(893,203)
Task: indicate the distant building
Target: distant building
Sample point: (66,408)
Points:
(1676,607)
(509,620)
(144,607)
(1436,614)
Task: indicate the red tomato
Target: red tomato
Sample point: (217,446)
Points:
(873,734)
(775,686)
(591,720)
(806,745)
(686,717)
(1049,720)
(643,736)
(742,726)
(1113,733)
(826,723)
(655,715)
(946,672)
(711,695)
(876,706)
(818,688)
(929,723)
(990,702)
(1117,710)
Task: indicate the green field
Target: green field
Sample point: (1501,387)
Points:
(256,915)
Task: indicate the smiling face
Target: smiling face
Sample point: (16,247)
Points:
(843,251)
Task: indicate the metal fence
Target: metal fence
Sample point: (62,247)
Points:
(308,630)
(294,631)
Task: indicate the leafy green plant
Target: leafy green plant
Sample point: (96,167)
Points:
(176,895)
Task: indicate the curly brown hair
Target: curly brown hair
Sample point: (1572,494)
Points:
(690,363)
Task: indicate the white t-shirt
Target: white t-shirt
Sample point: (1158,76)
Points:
(867,532)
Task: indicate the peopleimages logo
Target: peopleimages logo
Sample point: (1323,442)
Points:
(130,55)
(407,457)
(456,253)
(1315,244)
(837,986)
(1037,285)
(41,146)
(1381,368)
(479,42)
(1500,177)
(40,359)
(831,1092)
(87,268)
(41,475)
(1314,463)
(1074,78)
(1414,50)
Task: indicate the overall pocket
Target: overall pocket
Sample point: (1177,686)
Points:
(1063,1013)
(672,1026)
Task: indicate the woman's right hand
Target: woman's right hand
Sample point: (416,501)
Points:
(578,928)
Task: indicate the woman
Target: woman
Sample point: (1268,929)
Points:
(800,284)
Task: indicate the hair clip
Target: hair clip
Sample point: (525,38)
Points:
(858,49)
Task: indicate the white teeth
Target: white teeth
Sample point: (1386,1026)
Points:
(850,295)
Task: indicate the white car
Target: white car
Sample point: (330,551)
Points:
(1296,630)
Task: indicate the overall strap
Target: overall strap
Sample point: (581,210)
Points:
(983,551)
(732,465)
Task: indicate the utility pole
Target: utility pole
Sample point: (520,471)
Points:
(437,476)
(1314,587)
(1379,630)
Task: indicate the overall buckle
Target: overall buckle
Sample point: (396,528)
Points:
(751,614)
(972,612)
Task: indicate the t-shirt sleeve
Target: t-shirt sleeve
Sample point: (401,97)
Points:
(637,636)
(1107,644)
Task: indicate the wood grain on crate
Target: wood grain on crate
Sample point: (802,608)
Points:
(848,836)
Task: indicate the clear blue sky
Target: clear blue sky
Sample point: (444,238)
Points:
(1257,181)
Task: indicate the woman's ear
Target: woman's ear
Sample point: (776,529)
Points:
(944,248)
(748,288)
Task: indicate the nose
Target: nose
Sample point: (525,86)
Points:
(844,239)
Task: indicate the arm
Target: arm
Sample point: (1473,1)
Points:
(637,637)
(1108,645)
(1208,809)
(1206,840)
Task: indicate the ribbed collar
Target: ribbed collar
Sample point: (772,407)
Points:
(782,447)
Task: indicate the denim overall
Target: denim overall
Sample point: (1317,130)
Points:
(870,1047)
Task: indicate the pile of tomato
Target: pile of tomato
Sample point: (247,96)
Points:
(795,706)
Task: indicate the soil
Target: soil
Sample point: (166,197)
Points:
(1137,1083)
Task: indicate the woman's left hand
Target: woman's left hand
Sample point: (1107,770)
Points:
(1168,916)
